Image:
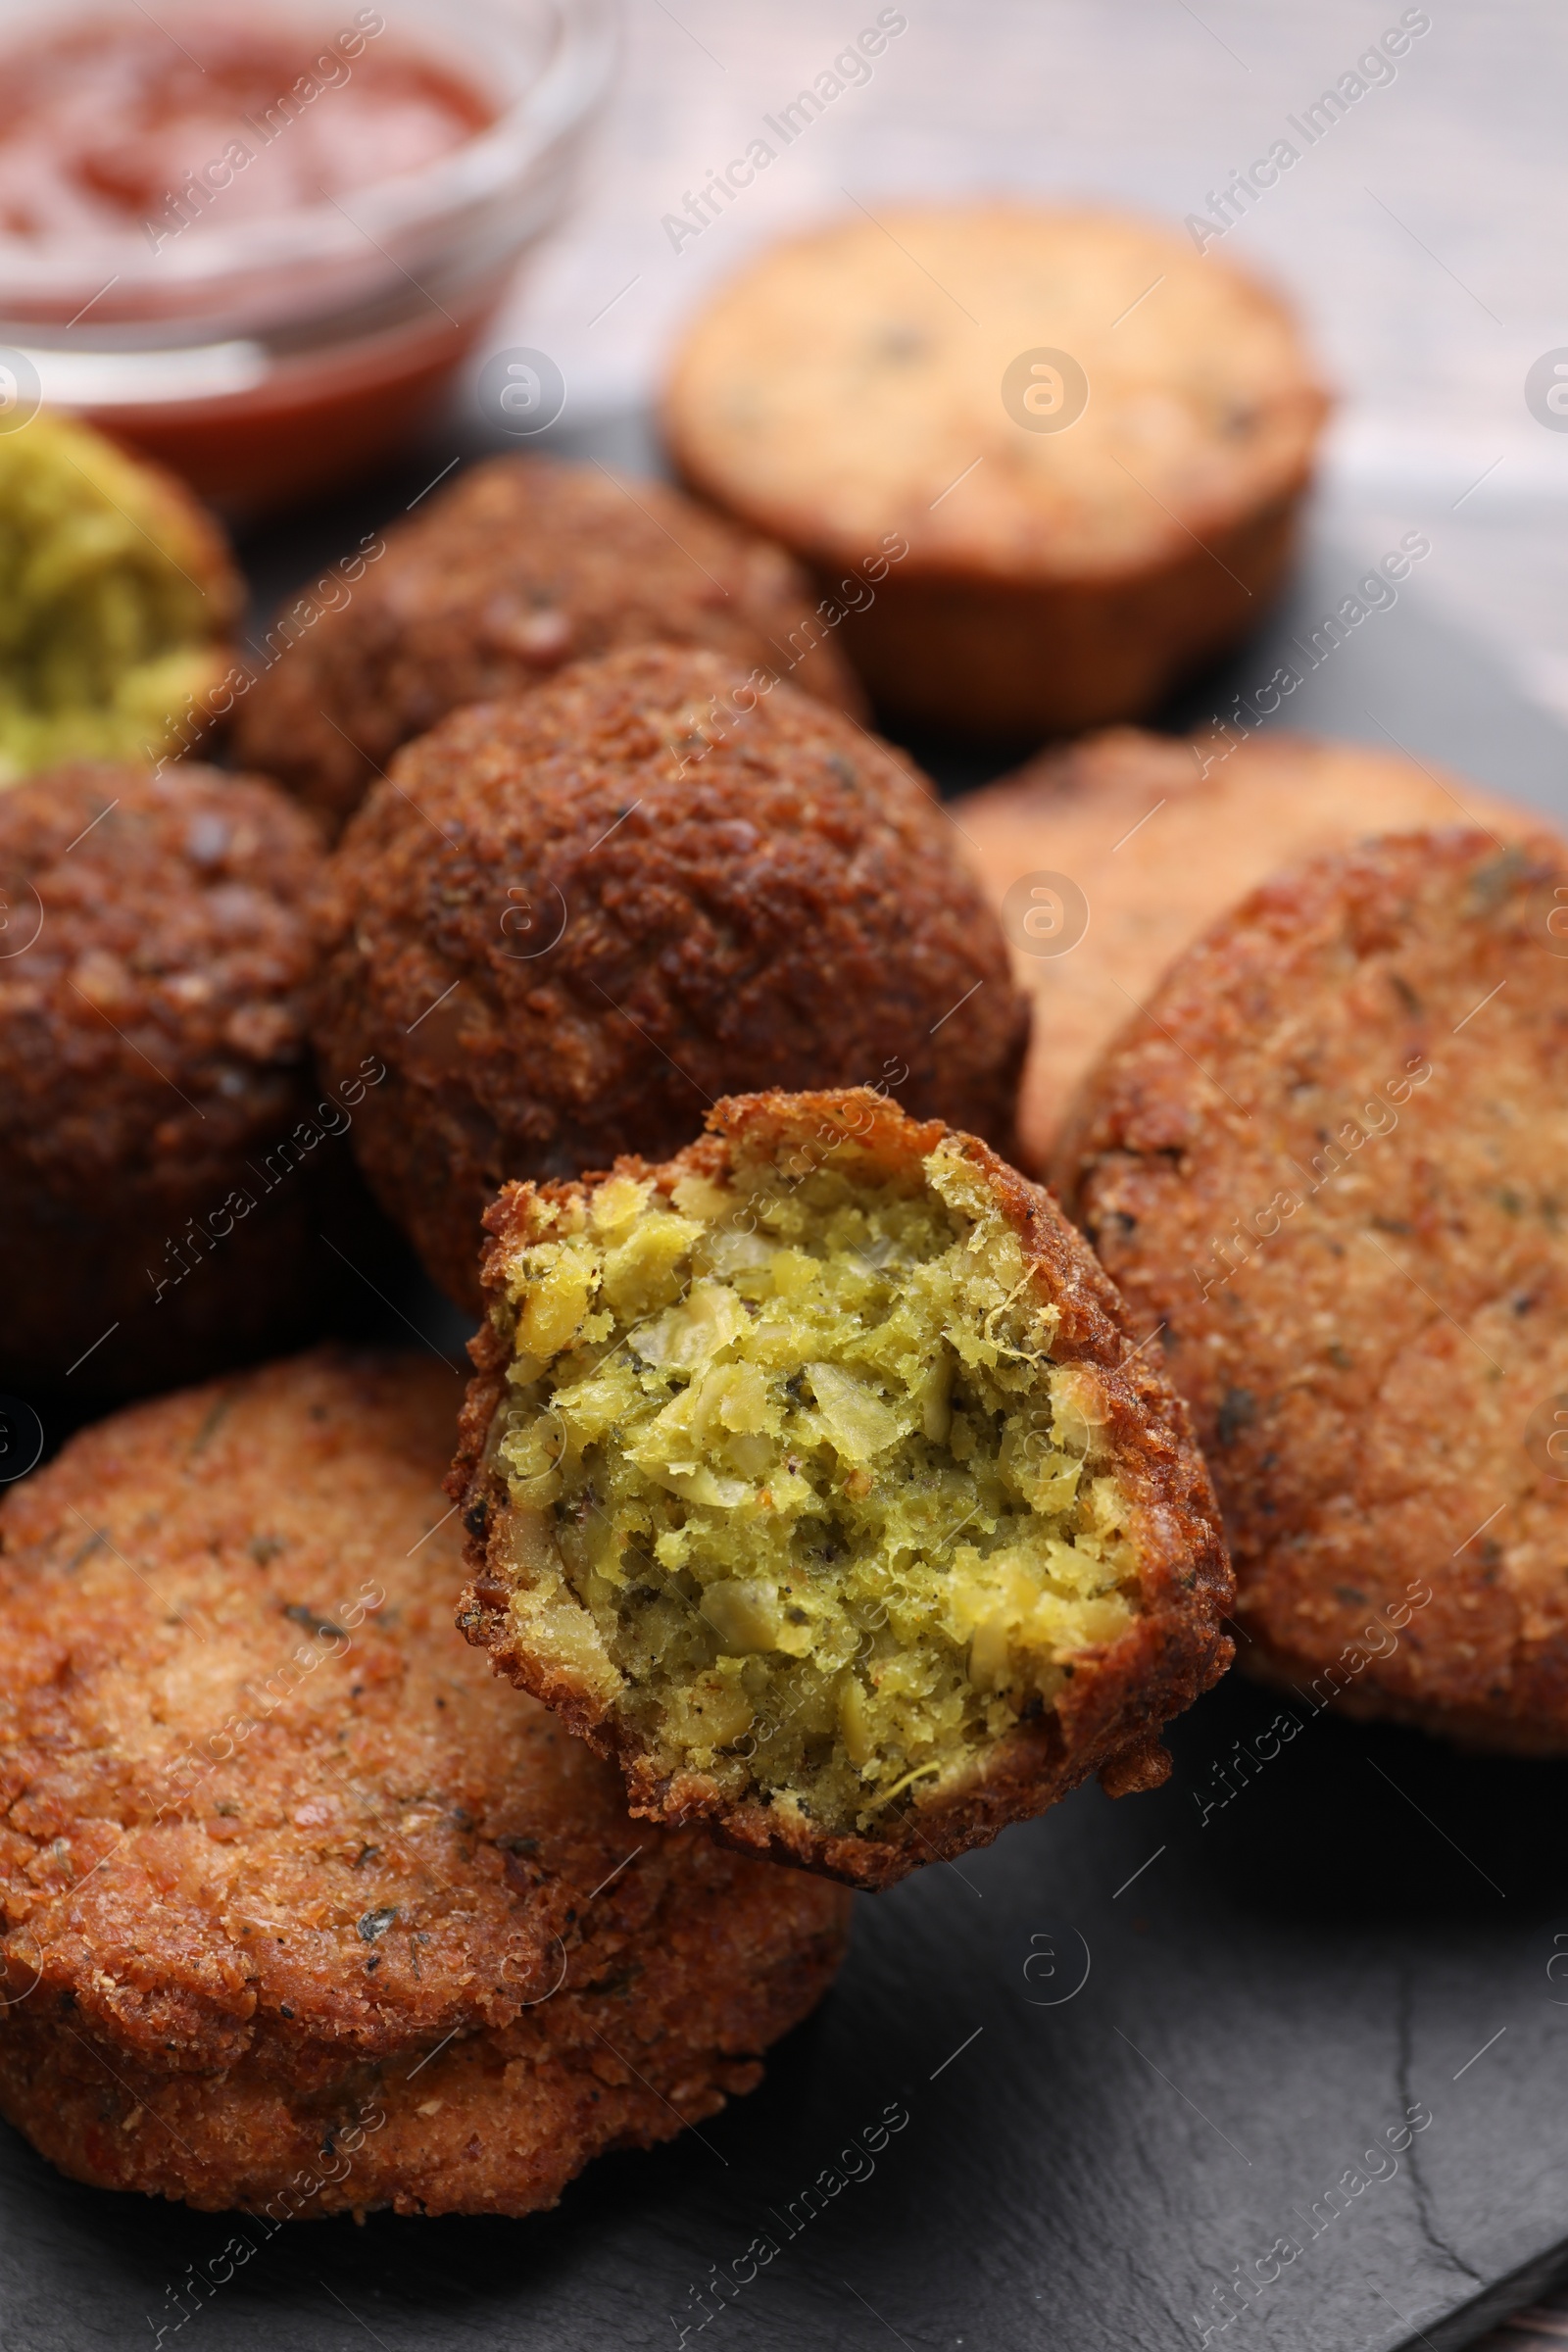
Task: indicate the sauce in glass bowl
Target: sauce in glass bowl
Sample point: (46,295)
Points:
(257,245)
(112,123)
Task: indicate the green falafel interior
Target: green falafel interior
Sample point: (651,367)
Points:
(795,1491)
(114,588)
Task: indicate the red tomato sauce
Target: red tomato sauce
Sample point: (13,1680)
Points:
(115,122)
(175,132)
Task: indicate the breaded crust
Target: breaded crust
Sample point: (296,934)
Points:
(571,921)
(883,396)
(1161,837)
(1329,1162)
(521,566)
(1119,1696)
(302,1913)
(154,969)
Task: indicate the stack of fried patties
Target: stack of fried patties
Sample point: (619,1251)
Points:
(1302,1083)
(1313,1000)
(812,1475)
(821,1498)
(305,1912)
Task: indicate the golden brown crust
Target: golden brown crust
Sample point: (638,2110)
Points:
(1328,1161)
(850,394)
(301,1911)
(1008,664)
(152,1049)
(1118,1696)
(1161,837)
(571,920)
(519,567)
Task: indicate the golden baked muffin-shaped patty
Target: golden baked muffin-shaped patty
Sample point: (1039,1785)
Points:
(1082,442)
(517,568)
(1105,860)
(820,1477)
(1330,1164)
(302,1913)
(570,922)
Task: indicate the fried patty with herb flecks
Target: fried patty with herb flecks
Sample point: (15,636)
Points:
(302,1912)
(1330,1163)
(1160,837)
(1051,460)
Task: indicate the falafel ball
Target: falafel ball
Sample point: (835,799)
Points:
(303,1913)
(523,565)
(567,924)
(1328,1160)
(822,1479)
(116,596)
(154,961)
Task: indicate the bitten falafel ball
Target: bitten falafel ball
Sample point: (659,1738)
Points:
(117,594)
(153,1065)
(521,565)
(1330,1160)
(820,1478)
(569,923)
(302,1912)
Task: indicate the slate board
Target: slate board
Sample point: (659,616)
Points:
(1136,2044)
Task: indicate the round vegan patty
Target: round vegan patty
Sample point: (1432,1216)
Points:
(1158,838)
(570,922)
(303,1912)
(1082,445)
(819,1478)
(1330,1164)
(153,965)
(519,567)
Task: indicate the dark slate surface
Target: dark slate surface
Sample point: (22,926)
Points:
(1113,2099)
(1128,2052)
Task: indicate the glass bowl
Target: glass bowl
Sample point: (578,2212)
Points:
(264,357)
